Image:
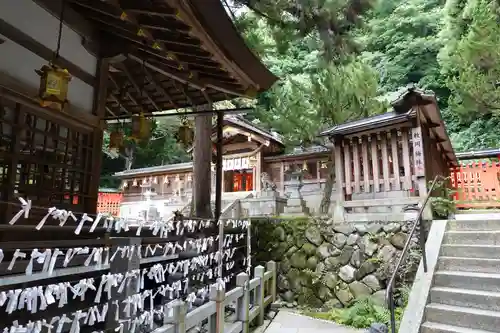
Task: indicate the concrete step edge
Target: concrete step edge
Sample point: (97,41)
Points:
(473,246)
(468,274)
(464,310)
(467,291)
(467,232)
(452,328)
(470,259)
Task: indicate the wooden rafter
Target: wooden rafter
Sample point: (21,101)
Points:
(129,95)
(120,104)
(187,16)
(199,84)
(144,31)
(125,70)
(159,87)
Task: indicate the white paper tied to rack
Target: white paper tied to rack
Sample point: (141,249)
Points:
(25,210)
(17,254)
(81,288)
(71,253)
(190,299)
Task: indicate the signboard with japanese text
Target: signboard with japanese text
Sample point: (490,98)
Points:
(240,163)
(418,152)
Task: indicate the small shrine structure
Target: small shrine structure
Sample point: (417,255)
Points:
(381,164)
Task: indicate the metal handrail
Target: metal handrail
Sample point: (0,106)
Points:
(389,293)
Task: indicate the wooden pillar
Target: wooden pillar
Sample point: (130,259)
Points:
(347,167)
(395,160)
(366,172)
(405,142)
(218,166)
(356,167)
(385,161)
(99,109)
(338,212)
(202,158)
(376,171)
(258,172)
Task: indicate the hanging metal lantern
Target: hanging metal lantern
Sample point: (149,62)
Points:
(115,140)
(186,133)
(141,128)
(53,90)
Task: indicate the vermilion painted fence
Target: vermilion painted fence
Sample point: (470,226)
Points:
(109,202)
(477,185)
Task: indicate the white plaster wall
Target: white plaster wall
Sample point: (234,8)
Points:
(132,209)
(19,63)
(40,25)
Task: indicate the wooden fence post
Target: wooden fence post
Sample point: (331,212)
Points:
(259,297)
(216,321)
(179,317)
(271,267)
(243,305)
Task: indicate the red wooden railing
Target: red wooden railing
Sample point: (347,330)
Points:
(109,202)
(477,185)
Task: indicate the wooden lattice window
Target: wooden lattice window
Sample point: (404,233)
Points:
(47,162)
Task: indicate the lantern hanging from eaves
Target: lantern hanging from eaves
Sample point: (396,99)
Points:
(185,133)
(53,90)
(116,140)
(141,128)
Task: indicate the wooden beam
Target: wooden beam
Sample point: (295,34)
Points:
(129,95)
(200,84)
(19,37)
(159,87)
(136,86)
(142,30)
(188,17)
(120,104)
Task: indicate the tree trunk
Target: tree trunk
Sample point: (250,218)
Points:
(202,158)
(327,193)
(129,157)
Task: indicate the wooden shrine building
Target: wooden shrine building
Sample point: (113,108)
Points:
(67,66)
(137,58)
(376,160)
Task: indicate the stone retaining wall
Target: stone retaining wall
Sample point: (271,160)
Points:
(326,265)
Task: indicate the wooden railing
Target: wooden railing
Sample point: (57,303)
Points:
(251,297)
(477,185)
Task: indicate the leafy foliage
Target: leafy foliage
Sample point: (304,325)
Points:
(442,202)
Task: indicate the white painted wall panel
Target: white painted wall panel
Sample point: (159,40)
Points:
(19,64)
(40,25)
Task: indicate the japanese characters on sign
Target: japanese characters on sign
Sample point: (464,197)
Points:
(236,163)
(418,152)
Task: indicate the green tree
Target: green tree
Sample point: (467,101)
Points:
(162,148)
(333,21)
(470,61)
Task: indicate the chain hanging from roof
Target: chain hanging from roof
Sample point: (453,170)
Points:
(54,80)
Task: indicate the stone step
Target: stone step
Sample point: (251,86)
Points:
(472,237)
(463,317)
(467,280)
(471,251)
(482,265)
(478,299)
(481,225)
(431,327)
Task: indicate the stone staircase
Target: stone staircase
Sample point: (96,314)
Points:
(464,294)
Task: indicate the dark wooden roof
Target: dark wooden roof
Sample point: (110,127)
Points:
(176,53)
(402,104)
